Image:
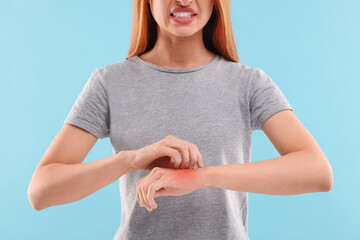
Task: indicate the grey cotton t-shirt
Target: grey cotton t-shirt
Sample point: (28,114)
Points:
(216,106)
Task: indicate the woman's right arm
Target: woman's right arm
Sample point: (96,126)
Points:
(62,178)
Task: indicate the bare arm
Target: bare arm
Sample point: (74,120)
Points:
(61,178)
(294,173)
(66,183)
(302,168)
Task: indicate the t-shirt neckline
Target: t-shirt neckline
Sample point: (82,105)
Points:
(177,70)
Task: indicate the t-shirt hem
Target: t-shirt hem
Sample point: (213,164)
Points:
(86,126)
(270,112)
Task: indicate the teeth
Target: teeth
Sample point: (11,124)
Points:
(182,14)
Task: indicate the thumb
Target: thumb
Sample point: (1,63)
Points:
(161,192)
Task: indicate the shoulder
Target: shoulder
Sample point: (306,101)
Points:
(243,72)
(241,68)
(114,71)
(123,67)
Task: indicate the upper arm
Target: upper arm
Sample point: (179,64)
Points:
(87,121)
(70,145)
(271,112)
(288,134)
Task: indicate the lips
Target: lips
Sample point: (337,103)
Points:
(187,9)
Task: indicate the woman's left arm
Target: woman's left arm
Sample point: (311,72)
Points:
(302,167)
(294,173)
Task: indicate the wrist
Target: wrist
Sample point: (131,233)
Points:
(127,158)
(203,174)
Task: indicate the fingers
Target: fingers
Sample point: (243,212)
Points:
(146,189)
(200,160)
(194,156)
(190,154)
(139,195)
(173,153)
(184,155)
(151,190)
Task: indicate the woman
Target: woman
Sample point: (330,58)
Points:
(180,111)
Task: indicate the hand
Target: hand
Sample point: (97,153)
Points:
(167,182)
(161,153)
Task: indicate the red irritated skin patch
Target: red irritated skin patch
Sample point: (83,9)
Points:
(186,173)
(189,176)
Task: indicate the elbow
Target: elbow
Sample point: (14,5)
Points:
(327,184)
(35,199)
(327,181)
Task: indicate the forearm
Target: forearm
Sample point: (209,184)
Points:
(291,174)
(66,183)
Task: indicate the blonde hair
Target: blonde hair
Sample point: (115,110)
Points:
(218,34)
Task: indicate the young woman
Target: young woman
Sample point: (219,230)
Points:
(180,111)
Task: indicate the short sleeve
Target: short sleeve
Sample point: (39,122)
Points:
(265,99)
(91,109)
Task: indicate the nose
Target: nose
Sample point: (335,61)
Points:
(183,2)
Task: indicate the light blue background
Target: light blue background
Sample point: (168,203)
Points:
(48,49)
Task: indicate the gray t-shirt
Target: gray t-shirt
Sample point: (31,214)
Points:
(216,106)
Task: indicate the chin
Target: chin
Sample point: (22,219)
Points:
(183,33)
